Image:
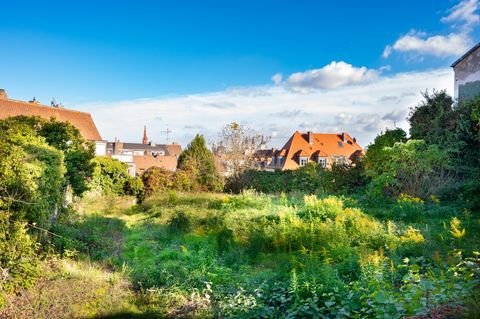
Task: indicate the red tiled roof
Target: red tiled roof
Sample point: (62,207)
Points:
(174,149)
(321,144)
(144,162)
(81,120)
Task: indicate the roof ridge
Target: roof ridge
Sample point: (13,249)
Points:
(47,106)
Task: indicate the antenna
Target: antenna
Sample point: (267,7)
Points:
(168,131)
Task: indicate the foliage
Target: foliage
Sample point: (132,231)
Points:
(31,174)
(199,161)
(413,168)
(110,176)
(134,187)
(434,120)
(18,260)
(312,178)
(254,255)
(74,289)
(64,137)
(375,155)
(156,179)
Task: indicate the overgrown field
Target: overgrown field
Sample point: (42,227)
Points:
(253,256)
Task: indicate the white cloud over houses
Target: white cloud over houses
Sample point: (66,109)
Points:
(374,103)
(331,76)
(462,18)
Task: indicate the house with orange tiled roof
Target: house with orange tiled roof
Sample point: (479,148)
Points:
(325,149)
(81,120)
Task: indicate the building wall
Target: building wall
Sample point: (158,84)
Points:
(100,148)
(467,76)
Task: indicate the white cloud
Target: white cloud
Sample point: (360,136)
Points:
(362,110)
(277,78)
(387,51)
(463,17)
(331,76)
(453,44)
(465,13)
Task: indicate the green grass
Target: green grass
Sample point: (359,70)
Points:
(253,255)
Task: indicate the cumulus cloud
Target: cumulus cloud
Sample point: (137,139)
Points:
(441,46)
(277,78)
(331,76)
(357,109)
(463,17)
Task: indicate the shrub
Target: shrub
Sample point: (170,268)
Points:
(315,208)
(110,176)
(156,180)
(180,222)
(18,260)
(247,199)
(134,187)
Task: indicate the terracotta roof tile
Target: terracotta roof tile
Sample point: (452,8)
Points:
(174,149)
(321,144)
(81,120)
(144,162)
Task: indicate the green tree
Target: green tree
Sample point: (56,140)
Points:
(109,176)
(63,136)
(198,158)
(414,168)
(156,179)
(376,155)
(31,174)
(434,120)
(78,152)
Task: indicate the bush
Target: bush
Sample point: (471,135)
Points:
(180,222)
(109,177)
(322,209)
(18,259)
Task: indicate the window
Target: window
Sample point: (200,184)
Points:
(322,161)
(279,160)
(339,160)
(303,161)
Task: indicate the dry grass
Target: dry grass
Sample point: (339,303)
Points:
(71,289)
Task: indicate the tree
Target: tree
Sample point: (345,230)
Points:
(156,179)
(414,168)
(238,145)
(63,136)
(198,159)
(434,120)
(109,176)
(78,152)
(376,155)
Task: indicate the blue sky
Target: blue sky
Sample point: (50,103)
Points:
(103,55)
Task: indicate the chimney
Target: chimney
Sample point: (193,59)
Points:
(118,148)
(344,138)
(310,138)
(3,94)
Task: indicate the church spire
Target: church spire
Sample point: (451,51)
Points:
(145,138)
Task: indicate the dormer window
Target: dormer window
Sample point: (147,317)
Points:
(303,160)
(280,160)
(322,161)
(339,160)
